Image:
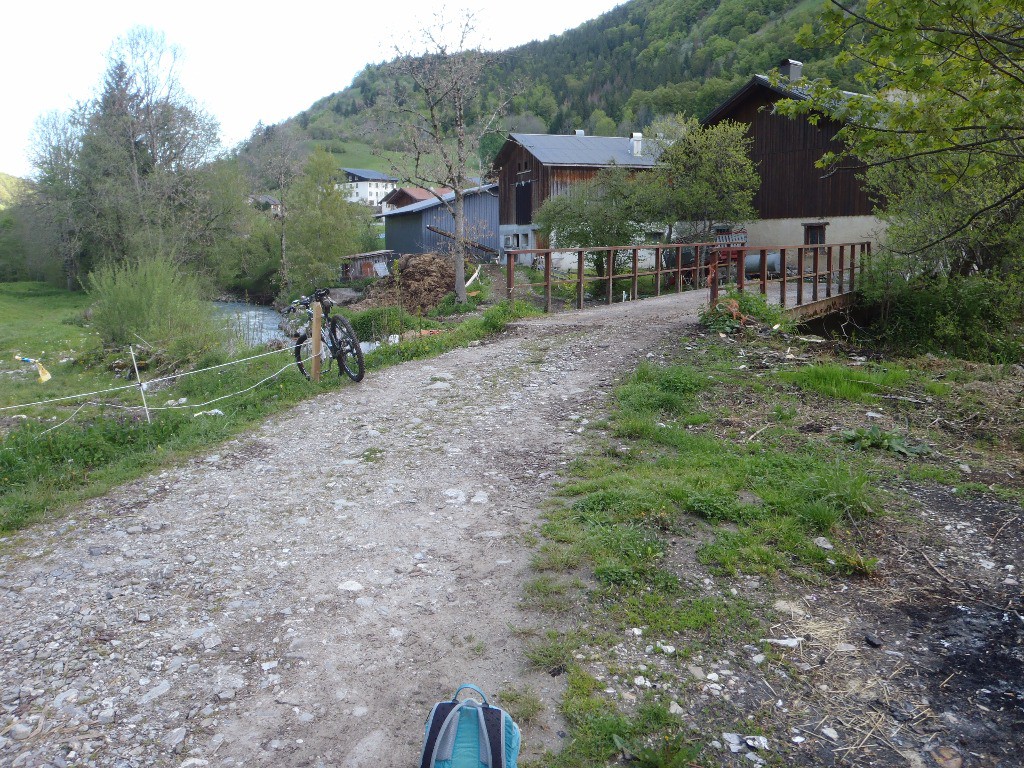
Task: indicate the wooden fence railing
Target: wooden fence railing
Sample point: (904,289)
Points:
(803,273)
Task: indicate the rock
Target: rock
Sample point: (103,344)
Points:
(350,586)
(823,543)
(756,742)
(946,757)
(211,641)
(173,739)
(734,740)
(845,648)
(226,695)
(20,731)
(784,642)
(872,640)
(641,682)
(155,693)
(830,733)
(106,716)
(268,665)
(675,709)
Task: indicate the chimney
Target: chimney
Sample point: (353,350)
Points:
(580,132)
(636,144)
(791,69)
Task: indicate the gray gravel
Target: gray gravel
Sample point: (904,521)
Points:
(303,594)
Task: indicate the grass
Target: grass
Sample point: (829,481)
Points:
(670,470)
(44,468)
(860,384)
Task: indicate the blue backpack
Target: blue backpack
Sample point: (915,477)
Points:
(469,734)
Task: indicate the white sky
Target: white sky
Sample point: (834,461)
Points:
(243,61)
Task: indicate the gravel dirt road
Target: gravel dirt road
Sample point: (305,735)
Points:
(303,594)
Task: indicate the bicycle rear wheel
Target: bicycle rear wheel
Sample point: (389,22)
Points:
(346,348)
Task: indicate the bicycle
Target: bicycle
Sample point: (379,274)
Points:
(338,338)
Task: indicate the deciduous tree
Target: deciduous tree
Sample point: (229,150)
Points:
(441,105)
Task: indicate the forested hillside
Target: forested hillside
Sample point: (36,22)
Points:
(617,72)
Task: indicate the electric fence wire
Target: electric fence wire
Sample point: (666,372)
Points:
(146,384)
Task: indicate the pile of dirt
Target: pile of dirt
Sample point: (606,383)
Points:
(418,284)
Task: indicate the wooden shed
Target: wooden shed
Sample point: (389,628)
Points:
(420,227)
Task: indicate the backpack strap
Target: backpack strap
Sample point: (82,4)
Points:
(439,718)
(492,732)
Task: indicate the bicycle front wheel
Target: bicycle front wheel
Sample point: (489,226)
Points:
(346,348)
(304,355)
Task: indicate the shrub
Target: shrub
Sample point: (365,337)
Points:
(977,317)
(735,309)
(154,301)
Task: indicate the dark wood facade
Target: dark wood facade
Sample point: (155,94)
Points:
(524,183)
(785,151)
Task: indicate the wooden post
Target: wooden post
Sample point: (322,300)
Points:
(713,278)
(579,278)
(657,271)
(510,274)
(636,270)
(547,282)
(800,277)
(679,269)
(816,261)
(842,268)
(828,269)
(611,271)
(782,283)
(764,272)
(318,323)
(740,256)
(142,387)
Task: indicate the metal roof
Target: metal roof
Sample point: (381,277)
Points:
(576,150)
(362,174)
(423,205)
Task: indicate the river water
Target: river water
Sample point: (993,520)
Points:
(254,323)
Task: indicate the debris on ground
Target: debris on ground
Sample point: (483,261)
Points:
(419,283)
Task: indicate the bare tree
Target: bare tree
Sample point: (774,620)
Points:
(440,105)
(276,156)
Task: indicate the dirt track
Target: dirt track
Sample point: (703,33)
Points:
(301,595)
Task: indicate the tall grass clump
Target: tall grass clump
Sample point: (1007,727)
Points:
(859,384)
(154,301)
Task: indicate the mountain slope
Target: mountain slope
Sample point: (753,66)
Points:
(617,72)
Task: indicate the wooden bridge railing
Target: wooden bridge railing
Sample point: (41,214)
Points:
(815,271)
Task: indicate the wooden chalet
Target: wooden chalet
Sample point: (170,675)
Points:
(797,201)
(533,167)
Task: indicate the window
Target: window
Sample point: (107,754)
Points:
(814,233)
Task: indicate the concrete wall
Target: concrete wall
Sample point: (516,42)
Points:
(840,229)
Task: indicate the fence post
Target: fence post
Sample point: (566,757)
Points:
(713,278)
(318,324)
(510,274)
(783,288)
(764,272)
(740,256)
(636,269)
(579,277)
(828,269)
(679,269)
(842,268)
(547,281)
(610,273)
(142,387)
(657,271)
(800,277)
(816,261)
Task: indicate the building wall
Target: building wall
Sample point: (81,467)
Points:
(772,233)
(408,233)
(785,151)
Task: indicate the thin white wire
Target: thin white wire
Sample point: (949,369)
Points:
(69,397)
(69,418)
(146,383)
